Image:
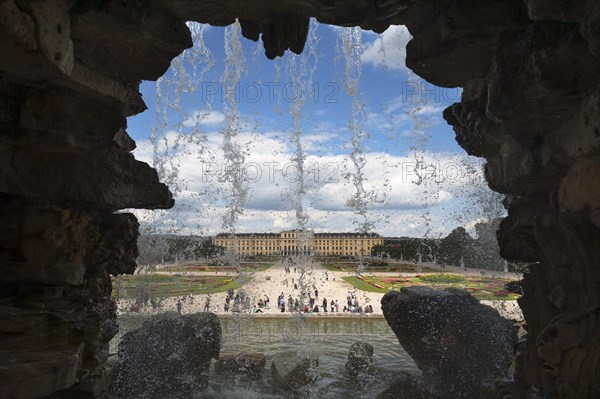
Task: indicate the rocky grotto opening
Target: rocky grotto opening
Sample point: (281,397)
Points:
(525,79)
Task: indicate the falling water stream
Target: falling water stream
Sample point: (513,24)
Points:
(300,69)
(419,137)
(352,48)
(170,142)
(233,154)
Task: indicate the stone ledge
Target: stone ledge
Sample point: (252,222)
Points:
(48,274)
(34,374)
(109,178)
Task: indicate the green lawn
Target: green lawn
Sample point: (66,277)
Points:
(162,285)
(351,266)
(245,266)
(482,288)
(329,266)
(361,285)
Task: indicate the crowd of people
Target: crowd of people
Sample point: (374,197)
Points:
(180,302)
(306,301)
(237,302)
(301,299)
(302,295)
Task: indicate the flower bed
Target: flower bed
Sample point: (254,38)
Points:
(481,288)
(168,285)
(393,280)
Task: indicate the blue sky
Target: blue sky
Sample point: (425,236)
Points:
(402,125)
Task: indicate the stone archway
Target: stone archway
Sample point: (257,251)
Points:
(69,77)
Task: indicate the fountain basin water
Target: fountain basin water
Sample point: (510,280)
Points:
(331,338)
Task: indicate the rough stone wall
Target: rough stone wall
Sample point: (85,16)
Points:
(533,112)
(69,76)
(65,168)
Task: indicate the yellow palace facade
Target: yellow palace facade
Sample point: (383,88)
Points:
(295,242)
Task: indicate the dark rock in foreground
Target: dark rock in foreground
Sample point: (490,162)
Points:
(456,342)
(292,369)
(168,357)
(243,363)
(360,358)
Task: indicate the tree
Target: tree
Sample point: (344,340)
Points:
(153,249)
(377,250)
(206,249)
(486,251)
(158,248)
(456,246)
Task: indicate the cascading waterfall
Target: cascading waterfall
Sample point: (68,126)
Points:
(183,78)
(235,197)
(362,199)
(300,69)
(351,43)
(296,107)
(233,155)
(171,138)
(419,136)
(382,50)
(479,201)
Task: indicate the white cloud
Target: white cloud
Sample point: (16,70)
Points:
(400,102)
(449,187)
(388,50)
(205,117)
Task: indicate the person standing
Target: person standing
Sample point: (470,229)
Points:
(226,306)
(325,305)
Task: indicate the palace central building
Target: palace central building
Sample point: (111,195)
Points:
(295,242)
